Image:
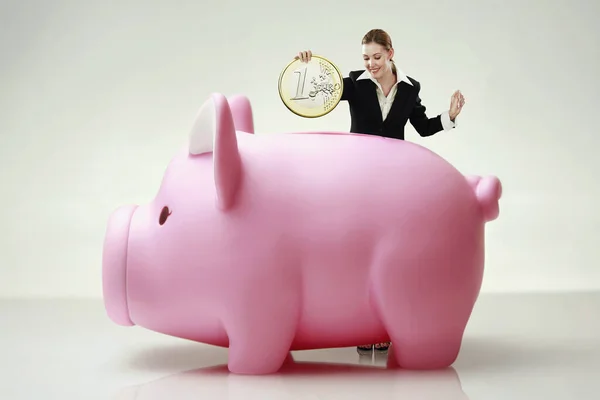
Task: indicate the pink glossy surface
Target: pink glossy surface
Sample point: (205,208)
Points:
(303,240)
(114,265)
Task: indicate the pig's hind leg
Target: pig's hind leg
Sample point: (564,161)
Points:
(424,306)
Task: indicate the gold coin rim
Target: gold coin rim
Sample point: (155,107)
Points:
(307,115)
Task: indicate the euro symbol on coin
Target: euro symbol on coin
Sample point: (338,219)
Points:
(311,89)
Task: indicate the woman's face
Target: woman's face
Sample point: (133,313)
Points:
(377,59)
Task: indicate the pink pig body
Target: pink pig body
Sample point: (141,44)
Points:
(278,242)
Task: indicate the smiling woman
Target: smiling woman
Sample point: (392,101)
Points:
(382,99)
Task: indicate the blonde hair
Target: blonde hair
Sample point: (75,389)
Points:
(383,39)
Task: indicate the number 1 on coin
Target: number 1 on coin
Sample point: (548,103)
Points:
(301,79)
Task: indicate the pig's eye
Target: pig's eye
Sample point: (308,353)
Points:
(164,214)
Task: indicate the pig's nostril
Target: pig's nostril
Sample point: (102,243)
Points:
(164,214)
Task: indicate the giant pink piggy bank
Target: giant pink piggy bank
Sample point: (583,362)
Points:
(267,244)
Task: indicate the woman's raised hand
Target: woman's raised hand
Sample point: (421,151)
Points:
(304,56)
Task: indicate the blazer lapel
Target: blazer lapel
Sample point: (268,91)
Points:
(401,103)
(369,93)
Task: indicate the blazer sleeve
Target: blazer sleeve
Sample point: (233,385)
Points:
(418,118)
(348,92)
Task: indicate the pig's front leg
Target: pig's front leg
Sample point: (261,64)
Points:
(261,325)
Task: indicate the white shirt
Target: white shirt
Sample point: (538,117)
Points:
(385,102)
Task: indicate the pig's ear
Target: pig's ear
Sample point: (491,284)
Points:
(241,110)
(214,131)
(203,131)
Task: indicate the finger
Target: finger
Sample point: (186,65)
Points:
(309,55)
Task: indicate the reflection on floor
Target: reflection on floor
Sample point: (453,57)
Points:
(516,347)
(303,380)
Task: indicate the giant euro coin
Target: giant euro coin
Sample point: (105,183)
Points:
(311,89)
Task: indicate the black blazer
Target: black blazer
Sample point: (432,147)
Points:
(365,111)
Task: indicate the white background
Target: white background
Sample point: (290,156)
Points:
(91,92)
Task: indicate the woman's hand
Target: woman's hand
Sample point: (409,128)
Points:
(304,56)
(457,101)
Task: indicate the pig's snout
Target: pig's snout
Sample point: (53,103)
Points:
(114,265)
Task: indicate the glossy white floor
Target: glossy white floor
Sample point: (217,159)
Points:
(535,346)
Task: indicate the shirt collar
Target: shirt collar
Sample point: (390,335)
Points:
(400,75)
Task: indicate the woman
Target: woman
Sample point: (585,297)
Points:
(382,100)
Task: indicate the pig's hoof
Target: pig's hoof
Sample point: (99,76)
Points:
(253,369)
(259,365)
(431,359)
